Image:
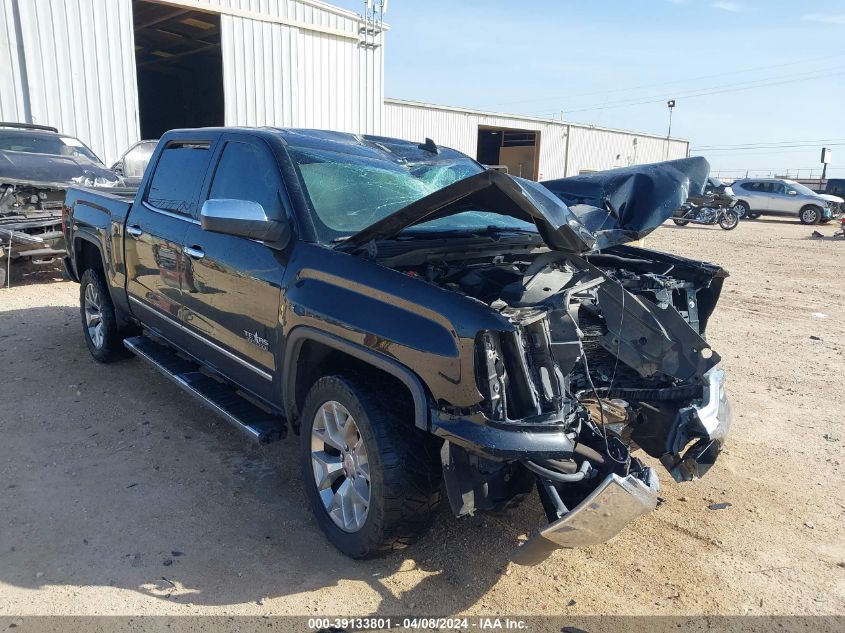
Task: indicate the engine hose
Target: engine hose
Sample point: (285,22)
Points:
(654,395)
(556,476)
(589,453)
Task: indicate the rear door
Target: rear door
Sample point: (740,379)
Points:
(233,284)
(155,234)
(759,194)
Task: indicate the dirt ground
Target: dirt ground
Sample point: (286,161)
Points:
(120,495)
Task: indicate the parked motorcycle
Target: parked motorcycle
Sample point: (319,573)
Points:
(711,208)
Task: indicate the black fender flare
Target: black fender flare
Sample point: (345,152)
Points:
(303,333)
(85,236)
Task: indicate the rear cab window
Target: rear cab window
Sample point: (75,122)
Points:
(178,177)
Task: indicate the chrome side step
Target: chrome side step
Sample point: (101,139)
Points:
(222,398)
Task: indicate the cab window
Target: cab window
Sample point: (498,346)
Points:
(178,177)
(247,172)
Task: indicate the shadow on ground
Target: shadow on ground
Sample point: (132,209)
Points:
(27,274)
(111,476)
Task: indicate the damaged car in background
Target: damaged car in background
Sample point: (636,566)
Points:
(37,165)
(418,320)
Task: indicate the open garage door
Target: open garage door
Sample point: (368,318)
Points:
(179,65)
(517,150)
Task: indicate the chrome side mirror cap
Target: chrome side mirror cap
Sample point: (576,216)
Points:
(243,218)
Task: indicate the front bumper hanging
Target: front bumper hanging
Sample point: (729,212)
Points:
(602,515)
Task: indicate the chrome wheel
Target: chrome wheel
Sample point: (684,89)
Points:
(94,316)
(340,466)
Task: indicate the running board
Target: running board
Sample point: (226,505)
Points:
(222,398)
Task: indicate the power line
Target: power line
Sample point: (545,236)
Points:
(674,82)
(739,87)
(774,144)
(787,149)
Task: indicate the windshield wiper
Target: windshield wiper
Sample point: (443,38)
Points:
(488,231)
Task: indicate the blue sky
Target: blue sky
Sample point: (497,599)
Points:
(775,69)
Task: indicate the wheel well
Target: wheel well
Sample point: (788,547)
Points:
(317,359)
(811,206)
(87,256)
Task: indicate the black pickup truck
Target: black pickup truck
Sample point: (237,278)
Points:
(423,324)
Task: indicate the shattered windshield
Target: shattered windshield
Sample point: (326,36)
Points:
(349,192)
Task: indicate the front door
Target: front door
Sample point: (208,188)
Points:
(155,235)
(231,300)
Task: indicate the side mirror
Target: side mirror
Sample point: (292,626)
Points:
(243,218)
(792,192)
(117,168)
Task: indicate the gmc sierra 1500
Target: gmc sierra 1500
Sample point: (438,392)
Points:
(417,320)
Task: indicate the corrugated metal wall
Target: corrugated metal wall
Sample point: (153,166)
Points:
(86,91)
(589,148)
(286,63)
(283,75)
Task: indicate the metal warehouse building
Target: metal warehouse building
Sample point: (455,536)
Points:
(114,71)
(535,148)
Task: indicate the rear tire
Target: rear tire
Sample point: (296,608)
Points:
(810,215)
(401,484)
(99,323)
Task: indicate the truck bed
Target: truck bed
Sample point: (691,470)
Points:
(111,204)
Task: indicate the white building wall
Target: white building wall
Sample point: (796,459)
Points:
(298,64)
(89,90)
(565,149)
(286,63)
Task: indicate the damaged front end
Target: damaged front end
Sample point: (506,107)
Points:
(30,222)
(604,354)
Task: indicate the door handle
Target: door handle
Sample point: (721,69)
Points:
(194,252)
(134,230)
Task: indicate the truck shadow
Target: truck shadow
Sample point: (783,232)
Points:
(112,477)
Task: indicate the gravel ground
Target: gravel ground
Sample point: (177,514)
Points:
(120,495)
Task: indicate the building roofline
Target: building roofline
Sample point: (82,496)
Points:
(249,13)
(520,117)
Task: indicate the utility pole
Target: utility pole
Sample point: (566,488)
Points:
(671,104)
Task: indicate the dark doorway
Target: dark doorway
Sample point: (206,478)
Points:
(516,150)
(179,63)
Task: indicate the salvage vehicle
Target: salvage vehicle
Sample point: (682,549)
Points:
(37,165)
(132,164)
(775,196)
(420,322)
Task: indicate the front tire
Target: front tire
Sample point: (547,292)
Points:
(742,210)
(810,215)
(729,220)
(99,322)
(372,477)
(680,222)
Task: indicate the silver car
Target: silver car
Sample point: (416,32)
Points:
(775,196)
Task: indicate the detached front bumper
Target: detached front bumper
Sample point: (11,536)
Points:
(602,515)
(710,422)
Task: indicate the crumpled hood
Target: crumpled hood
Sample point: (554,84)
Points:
(51,171)
(575,215)
(626,204)
(830,198)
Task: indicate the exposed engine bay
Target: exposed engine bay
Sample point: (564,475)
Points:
(607,346)
(30,223)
